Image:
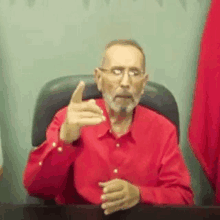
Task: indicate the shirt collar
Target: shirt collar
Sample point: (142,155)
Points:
(105,126)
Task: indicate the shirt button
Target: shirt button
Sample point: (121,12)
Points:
(117,145)
(60,149)
(115,171)
(54,144)
(40,163)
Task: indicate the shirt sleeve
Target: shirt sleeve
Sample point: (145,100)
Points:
(47,166)
(173,181)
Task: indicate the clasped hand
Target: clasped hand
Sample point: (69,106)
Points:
(119,195)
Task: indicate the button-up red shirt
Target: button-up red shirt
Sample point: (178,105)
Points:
(147,156)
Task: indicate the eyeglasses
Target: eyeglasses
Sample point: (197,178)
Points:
(134,73)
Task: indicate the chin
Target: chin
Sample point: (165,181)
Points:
(125,109)
(117,107)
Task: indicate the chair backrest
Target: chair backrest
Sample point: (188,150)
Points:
(57,93)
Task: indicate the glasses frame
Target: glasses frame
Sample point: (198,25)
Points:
(110,71)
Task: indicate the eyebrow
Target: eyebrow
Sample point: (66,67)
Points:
(117,67)
(121,67)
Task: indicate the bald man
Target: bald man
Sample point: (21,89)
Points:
(110,151)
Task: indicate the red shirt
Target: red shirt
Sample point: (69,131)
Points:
(147,156)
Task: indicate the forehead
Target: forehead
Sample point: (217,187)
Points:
(123,55)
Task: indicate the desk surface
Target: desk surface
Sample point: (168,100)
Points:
(140,211)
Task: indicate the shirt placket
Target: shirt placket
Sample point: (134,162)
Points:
(117,158)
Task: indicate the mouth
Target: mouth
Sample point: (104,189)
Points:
(124,97)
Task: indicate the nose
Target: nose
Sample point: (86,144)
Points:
(125,82)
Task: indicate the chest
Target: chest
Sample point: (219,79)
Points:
(109,158)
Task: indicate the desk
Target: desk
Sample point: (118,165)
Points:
(85,212)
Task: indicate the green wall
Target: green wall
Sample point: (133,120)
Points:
(45,39)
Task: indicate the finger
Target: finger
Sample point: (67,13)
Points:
(113,188)
(89,121)
(78,93)
(92,101)
(112,210)
(85,106)
(113,206)
(103,184)
(87,114)
(113,196)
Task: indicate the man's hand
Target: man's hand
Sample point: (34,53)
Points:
(119,195)
(79,113)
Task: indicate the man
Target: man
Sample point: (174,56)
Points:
(110,151)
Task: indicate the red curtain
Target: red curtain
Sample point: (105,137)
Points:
(204,128)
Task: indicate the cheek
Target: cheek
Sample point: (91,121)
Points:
(108,86)
(138,89)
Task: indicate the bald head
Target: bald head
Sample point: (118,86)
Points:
(130,46)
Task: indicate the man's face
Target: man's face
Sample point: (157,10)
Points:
(122,92)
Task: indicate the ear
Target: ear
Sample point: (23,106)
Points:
(98,78)
(146,78)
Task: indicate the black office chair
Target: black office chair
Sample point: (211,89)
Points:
(57,93)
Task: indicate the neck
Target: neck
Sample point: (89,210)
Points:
(120,116)
(120,121)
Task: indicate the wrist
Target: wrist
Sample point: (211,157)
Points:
(68,133)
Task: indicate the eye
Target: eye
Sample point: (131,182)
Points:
(134,73)
(117,71)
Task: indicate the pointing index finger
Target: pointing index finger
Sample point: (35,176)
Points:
(78,93)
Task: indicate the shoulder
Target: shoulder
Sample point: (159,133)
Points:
(150,117)
(155,129)
(57,120)
(60,115)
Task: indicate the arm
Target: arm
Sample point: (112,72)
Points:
(173,180)
(47,168)
(48,165)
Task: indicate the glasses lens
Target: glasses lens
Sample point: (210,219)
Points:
(117,72)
